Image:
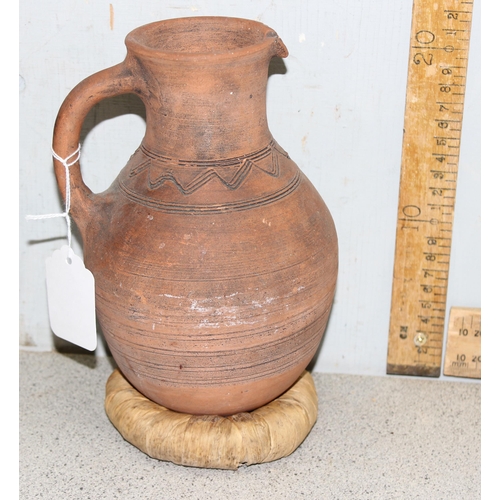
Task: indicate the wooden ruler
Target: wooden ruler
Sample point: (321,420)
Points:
(439,49)
(463,345)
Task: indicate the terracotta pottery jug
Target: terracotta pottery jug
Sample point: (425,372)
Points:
(215,259)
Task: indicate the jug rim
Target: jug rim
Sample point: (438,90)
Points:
(164,39)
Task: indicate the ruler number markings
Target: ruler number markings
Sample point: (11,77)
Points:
(433,124)
(463,348)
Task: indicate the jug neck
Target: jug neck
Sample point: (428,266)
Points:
(209,104)
(206,112)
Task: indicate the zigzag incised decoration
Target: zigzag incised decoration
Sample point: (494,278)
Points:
(236,169)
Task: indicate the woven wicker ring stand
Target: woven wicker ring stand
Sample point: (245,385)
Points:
(268,433)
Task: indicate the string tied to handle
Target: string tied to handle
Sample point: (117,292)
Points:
(66,162)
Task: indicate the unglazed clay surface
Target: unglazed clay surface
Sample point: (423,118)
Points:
(215,259)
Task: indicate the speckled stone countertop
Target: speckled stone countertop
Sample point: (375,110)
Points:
(375,438)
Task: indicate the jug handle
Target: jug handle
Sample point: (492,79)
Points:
(109,82)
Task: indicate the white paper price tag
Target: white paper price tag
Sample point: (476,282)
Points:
(71,297)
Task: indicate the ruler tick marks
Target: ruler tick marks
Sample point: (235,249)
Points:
(463,346)
(429,167)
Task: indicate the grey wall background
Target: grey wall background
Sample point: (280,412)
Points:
(338,110)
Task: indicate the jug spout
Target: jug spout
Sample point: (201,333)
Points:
(280,49)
